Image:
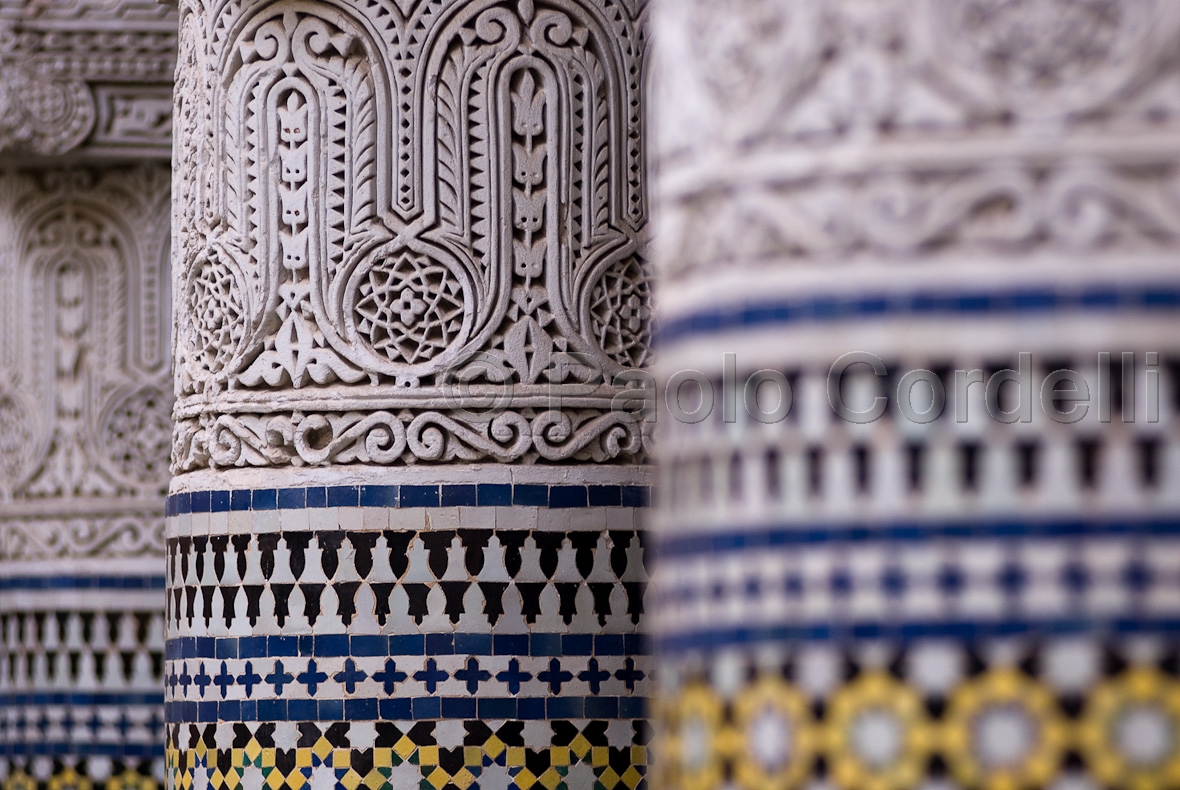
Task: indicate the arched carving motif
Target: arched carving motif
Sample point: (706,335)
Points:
(410,197)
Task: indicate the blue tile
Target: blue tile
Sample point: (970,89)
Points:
(249,710)
(189,711)
(230,710)
(564,707)
(307,645)
(358,709)
(602,707)
(331,645)
(396,709)
(511,644)
(292,498)
(264,499)
(530,495)
(206,711)
(632,708)
(635,644)
(331,710)
(239,500)
(282,646)
(300,710)
(497,708)
(457,496)
(635,496)
(475,644)
(205,646)
(545,645)
(459,708)
(440,644)
(567,496)
(343,496)
(419,496)
(604,496)
(317,496)
(407,645)
(530,708)
(227,647)
(218,501)
(379,496)
(427,707)
(184,502)
(252,647)
(577,644)
(494,495)
(369,645)
(608,645)
(200,501)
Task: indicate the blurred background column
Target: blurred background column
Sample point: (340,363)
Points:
(411,282)
(85,396)
(981,596)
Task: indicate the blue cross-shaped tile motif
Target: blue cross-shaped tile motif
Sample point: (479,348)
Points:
(472,675)
(629,674)
(513,676)
(555,676)
(594,676)
(312,678)
(202,679)
(431,676)
(224,679)
(390,676)
(249,678)
(185,678)
(350,676)
(279,678)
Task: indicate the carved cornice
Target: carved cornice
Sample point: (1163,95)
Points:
(89,79)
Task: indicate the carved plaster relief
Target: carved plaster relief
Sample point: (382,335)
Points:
(387,211)
(84,404)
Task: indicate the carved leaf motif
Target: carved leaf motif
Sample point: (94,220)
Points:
(529,349)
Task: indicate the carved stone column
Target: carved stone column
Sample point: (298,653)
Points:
(981,593)
(84,436)
(411,289)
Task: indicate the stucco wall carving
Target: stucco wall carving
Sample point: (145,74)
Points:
(840,122)
(84,400)
(86,76)
(388,210)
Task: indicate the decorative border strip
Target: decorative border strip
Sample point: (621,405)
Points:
(142,751)
(406,709)
(404,496)
(87,698)
(962,630)
(82,583)
(337,645)
(906,532)
(827,309)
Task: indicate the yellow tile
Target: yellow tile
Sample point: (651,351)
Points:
(351,780)
(580,746)
(252,750)
(515,756)
(274,780)
(525,779)
(609,778)
(639,755)
(267,758)
(551,779)
(428,755)
(303,758)
(383,758)
(438,778)
(632,777)
(341,758)
(599,756)
(296,780)
(493,747)
(322,748)
(472,755)
(464,779)
(375,781)
(559,755)
(404,747)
